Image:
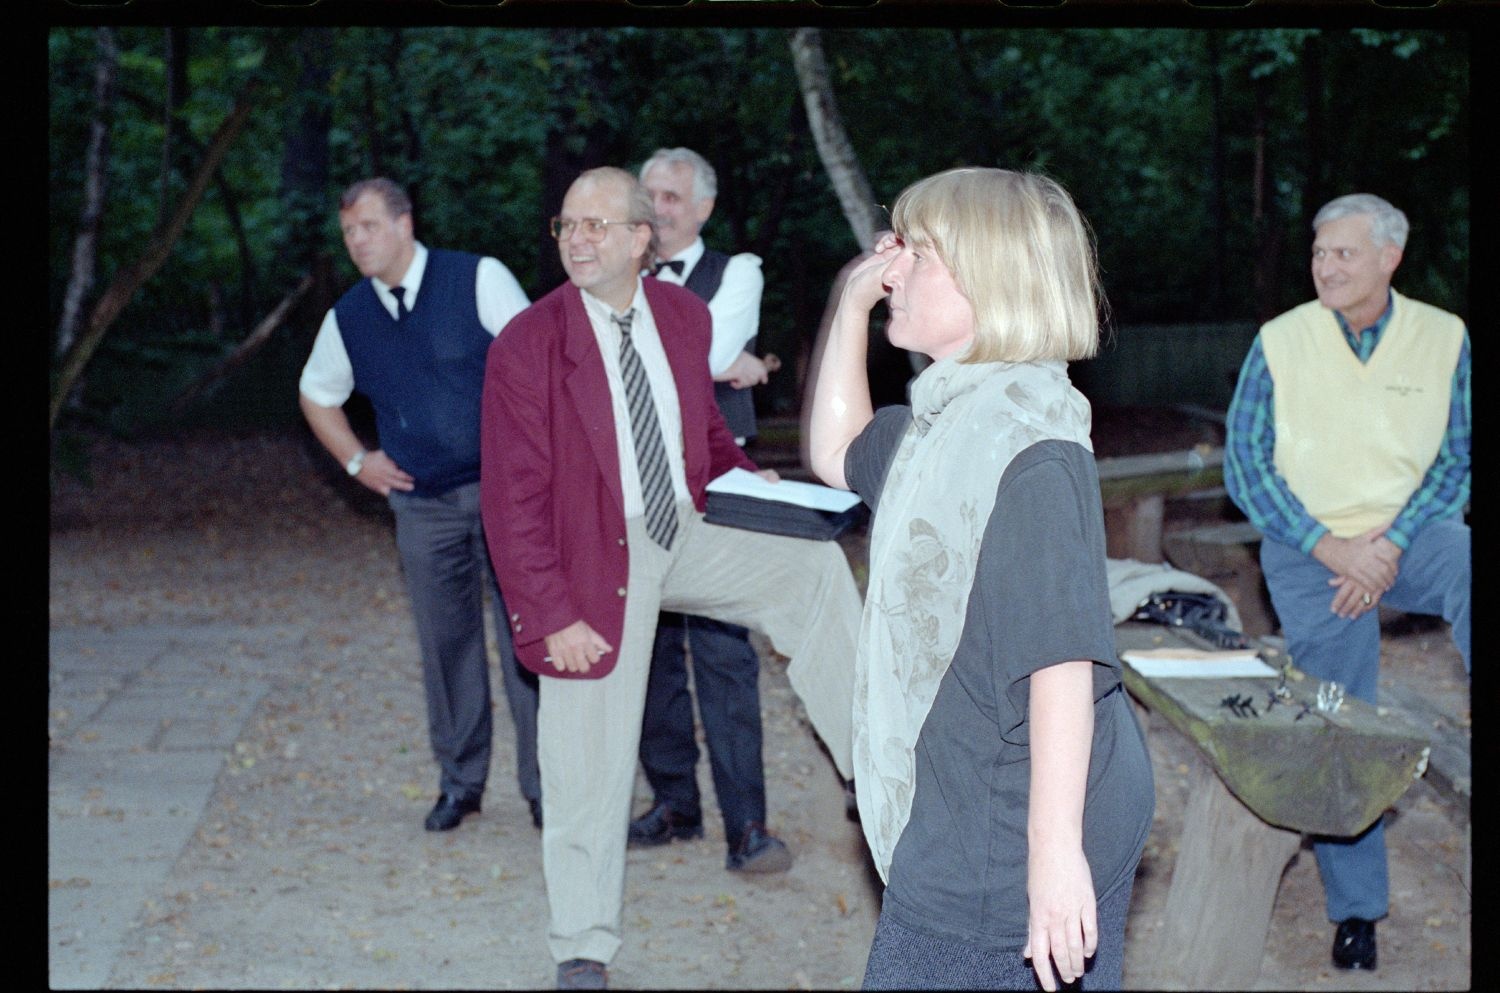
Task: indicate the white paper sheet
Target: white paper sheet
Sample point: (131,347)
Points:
(742,482)
(1167,663)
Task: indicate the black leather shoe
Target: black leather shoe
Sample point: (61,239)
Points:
(536,813)
(660,825)
(1354,944)
(582,974)
(449,810)
(759,851)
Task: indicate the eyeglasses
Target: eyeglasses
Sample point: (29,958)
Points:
(594,228)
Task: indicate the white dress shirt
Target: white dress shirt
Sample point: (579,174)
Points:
(735,308)
(328,377)
(647,340)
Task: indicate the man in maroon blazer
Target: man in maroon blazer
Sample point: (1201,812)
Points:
(600,434)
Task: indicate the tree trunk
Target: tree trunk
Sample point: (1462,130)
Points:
(781,185)
(305,155)
(834,147)
(95,186)
(152,257)
(1267,220)
(1317,156)
(175,97)
(1218,170)
(414,173)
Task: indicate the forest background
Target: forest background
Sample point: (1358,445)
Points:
(194,171)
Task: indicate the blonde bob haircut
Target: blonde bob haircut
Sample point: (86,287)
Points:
(1019,251)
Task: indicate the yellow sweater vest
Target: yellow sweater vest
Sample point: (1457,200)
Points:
(1353,440)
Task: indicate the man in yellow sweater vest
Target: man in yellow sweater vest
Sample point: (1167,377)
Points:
(1348,448)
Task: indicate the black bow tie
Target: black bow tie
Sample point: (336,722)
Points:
(675,265)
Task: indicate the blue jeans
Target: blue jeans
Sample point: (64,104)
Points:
(1433,578)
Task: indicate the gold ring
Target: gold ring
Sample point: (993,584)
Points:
(1367,599)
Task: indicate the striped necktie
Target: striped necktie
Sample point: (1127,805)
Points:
(650,451)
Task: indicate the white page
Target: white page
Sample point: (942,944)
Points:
(1226,665)
(742,482)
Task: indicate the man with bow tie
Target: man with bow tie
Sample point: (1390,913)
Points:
(412,336)
(683,188)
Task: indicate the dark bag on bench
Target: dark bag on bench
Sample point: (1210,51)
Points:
(1201,613)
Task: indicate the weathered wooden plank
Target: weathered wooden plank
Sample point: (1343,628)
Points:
(1292,765)
(1118,489)
(1192,461)
(1449,767)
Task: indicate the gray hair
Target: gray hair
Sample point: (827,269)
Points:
(396,200)
(705,181)
(1388,225)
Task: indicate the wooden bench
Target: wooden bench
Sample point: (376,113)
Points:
(1257,784)
(1135,488)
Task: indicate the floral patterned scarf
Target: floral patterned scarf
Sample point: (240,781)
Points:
(968,422)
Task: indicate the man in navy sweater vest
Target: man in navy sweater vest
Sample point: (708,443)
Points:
(412,336)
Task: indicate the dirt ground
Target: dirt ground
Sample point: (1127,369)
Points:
(310,869)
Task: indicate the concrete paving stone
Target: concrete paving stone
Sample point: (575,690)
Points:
(136,771)
(119,842)
(134,636)
(143,874)
(106,659)
(116,803)
(86,932)
(238,638)
(82,682)
(171,700)
(200,664)
(135,706)
(65,714)
(112,736)
(191,734)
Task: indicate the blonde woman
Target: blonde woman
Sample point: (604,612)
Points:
(1003,784)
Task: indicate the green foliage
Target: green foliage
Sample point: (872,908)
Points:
(1127,119)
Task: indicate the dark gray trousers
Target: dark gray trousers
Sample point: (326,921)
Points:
(447,568)
(904,959)
(726,671)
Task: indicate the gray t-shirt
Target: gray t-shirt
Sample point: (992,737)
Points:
(1040,597)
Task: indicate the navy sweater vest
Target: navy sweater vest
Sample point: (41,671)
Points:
(423,375)
(737,406)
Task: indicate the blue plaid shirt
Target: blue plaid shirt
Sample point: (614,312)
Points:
(1257,489)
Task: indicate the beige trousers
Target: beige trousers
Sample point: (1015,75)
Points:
(799,593)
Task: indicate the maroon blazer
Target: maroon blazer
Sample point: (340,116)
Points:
(550,489)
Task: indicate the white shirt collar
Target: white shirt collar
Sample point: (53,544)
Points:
(411,282)
(602,312)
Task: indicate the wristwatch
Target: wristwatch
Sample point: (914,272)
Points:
(353,465)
